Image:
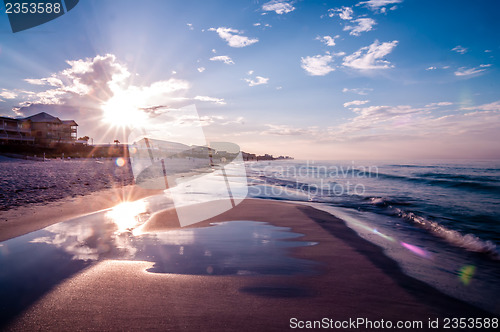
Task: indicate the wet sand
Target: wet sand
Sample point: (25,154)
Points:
(25,219)
(353,280)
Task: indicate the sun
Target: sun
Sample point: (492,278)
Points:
(122,110)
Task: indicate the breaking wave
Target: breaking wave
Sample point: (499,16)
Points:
(469,242)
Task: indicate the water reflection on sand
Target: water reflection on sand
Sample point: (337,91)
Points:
(34,263)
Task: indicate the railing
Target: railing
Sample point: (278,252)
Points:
(16,138)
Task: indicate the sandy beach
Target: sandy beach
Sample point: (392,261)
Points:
(352,280)
(26,182)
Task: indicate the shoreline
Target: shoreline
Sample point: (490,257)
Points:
(354,279)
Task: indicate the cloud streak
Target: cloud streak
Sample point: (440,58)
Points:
(279,7)
(371,57)
(233,37)
(378,4)
(363,25)
(459,49)
(464,71)
(224,58)
(359,91)
(259,80)
(218,101)
(356,103)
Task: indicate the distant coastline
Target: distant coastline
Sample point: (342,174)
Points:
(75,150)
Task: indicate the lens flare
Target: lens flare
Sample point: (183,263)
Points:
(466,273)
(120,162)
(416,250)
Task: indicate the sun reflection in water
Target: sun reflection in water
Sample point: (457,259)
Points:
(127,215)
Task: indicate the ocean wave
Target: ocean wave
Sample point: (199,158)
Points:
(469,242)
(467,185)
(415,166)
(447,183)
(460,177)
(383,201)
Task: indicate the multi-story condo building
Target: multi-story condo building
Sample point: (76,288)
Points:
(40,129)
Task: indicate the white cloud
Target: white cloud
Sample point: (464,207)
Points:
(318,65)
(359,91)
(356,102)
(345,13)
(381,113)
(256,24)
(436,67)
(277,6)
(52,81)
(371,57)
(250,72)
(459,49)
(35,81)
(487,51)
(190,26)
(327,40)
(285,130)
(377,4)
(201,69)
(405,123)
(463,71)
(259,80)
(8,94)
(364,24)
(485,66)
(214,100)
(233,37)
(495,106)
(441,103)
(402,131)
(214,50)
(98,88)
(92,77)
(224,58)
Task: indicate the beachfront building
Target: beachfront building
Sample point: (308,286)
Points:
(41,129)
(15,131)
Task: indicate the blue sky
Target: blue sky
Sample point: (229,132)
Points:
(378,79)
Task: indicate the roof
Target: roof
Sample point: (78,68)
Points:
(43,117)
(69,122)
(8,119)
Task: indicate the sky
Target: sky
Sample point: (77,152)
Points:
(323,80)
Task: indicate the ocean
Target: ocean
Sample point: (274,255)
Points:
(440,220)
